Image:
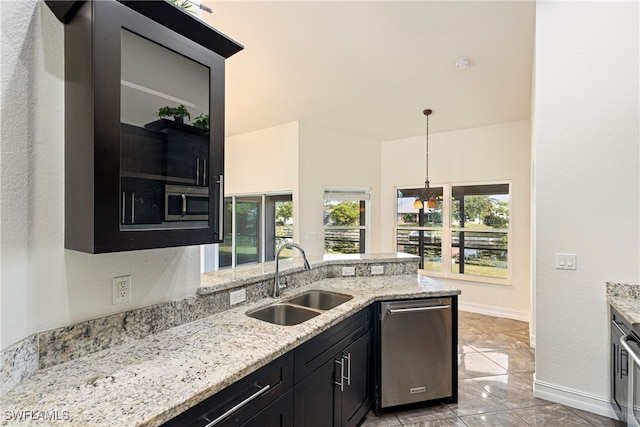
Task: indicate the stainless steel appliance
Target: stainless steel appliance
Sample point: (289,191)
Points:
(416,351)
(186,203)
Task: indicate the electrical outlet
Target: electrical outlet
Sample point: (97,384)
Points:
(236,297)
(348,271)
(121,289)
(377,269)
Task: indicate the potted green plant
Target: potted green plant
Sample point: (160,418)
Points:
(178,113)
(202,121)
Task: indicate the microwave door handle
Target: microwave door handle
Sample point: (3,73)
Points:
(634,355)
(184,205)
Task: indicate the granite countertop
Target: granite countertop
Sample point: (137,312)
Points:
(151,380)
(625,298)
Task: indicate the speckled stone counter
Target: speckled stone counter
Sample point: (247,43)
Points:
(151,380)
(625,298)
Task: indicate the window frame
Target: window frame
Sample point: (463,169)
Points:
(361,194)
(447,229)
(210,253)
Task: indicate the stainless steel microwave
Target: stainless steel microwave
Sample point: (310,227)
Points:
(186,203)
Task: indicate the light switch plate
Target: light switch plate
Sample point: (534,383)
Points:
(566,261)
(236,297)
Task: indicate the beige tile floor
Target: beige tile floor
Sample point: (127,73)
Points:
(495,384)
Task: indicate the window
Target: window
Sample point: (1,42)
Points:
(419,232)
(480,230)
(345,221)
(254,227)
(467,234)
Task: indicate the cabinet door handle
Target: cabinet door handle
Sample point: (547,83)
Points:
(341,383)
(184,205)
(221,208)
(124,206)
(133,208)
(348,359)
(240,405)
(204,172)
(197,171)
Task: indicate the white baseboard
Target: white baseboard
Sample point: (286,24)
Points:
(494,311)
(573,398)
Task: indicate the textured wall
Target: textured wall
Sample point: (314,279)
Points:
(491,153)
(587,187)
(43,285)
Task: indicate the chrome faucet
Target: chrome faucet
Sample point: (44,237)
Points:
(276,283)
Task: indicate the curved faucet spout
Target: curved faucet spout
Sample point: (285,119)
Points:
(276,282)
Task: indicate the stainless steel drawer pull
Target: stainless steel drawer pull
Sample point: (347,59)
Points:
(240,405)
(341,383)
(634,356)
(348,359)
(184,205)
(415,309)
(124,206)
(197,171)
(133,208)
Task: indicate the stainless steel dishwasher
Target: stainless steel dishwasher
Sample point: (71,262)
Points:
(416,351)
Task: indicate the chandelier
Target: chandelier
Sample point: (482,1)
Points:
(428,201)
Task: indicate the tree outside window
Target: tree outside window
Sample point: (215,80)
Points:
(344,222)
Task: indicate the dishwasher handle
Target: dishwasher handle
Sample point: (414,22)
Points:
(417,309)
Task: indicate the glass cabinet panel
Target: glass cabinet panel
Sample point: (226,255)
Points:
(164,137)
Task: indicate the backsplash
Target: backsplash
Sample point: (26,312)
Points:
(60,345)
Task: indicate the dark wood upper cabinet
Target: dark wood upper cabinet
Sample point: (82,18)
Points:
(134,180)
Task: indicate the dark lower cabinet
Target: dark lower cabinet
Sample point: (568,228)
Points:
(259,396)
(323,382)
(314,400)
(337,393)
(333,374)
(277,414)
(355,398)
(619,367)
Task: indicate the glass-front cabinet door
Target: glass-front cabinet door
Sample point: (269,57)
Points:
(144,124)
(164,137)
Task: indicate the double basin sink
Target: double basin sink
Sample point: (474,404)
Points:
(299,308)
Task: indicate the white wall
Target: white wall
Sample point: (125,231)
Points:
(43,285)
(333,158)
(587,188)
(264,161)
(490,153)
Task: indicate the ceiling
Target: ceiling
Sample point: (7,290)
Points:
(369,68)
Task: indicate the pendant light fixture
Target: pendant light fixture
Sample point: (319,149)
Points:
(429,201)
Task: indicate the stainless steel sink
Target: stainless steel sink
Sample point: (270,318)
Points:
(320,300)
(283,314)
(300,308)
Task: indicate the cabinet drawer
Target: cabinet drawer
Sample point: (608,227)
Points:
(242,400)
(315,352)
